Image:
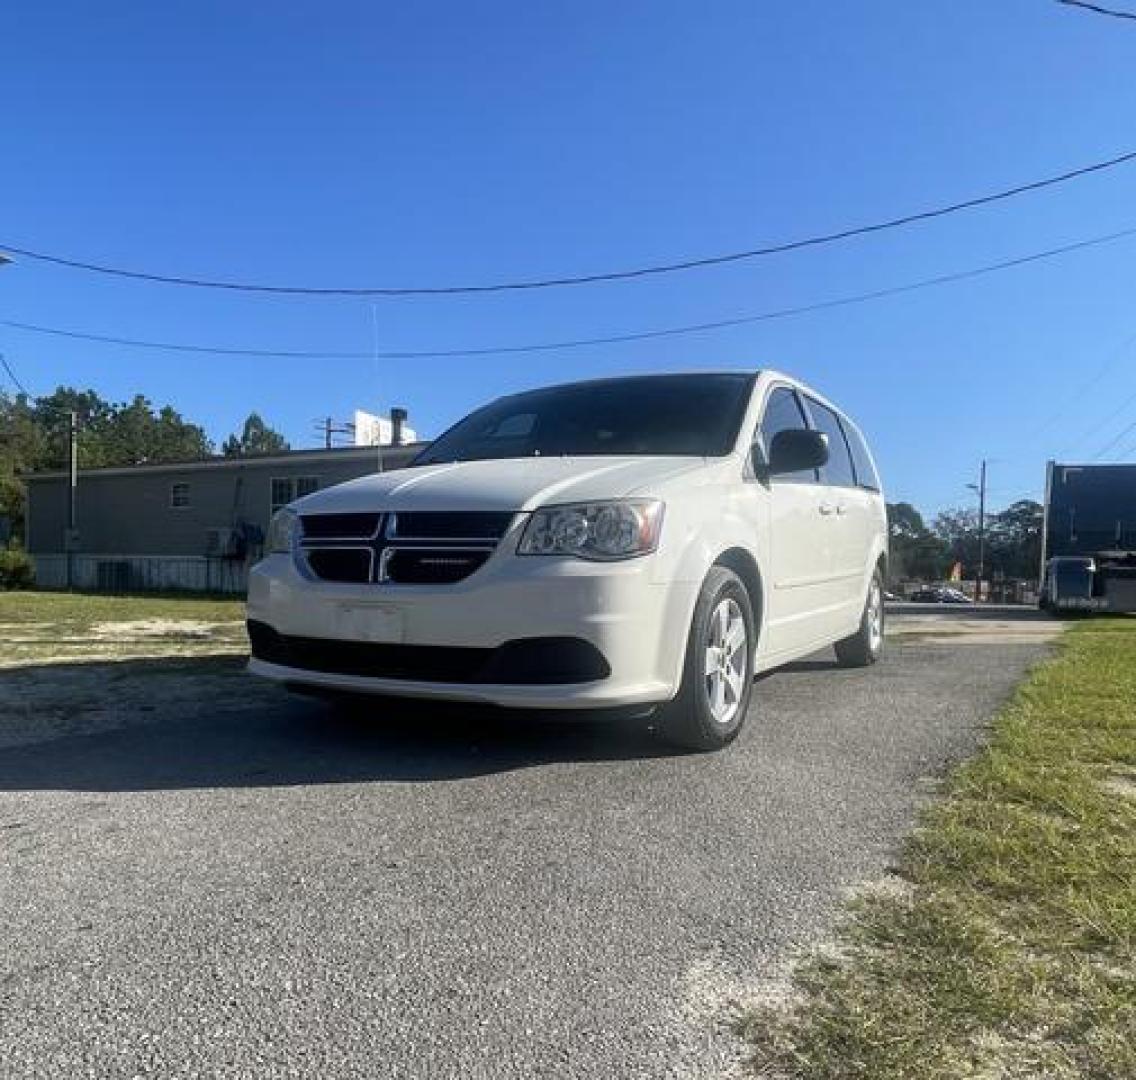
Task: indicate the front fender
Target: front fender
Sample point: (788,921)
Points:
(691,558)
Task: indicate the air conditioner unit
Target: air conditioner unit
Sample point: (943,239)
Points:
(223,543)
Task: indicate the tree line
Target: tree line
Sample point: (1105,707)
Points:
(34,438)
(928,553)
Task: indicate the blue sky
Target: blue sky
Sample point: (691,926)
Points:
(365,143)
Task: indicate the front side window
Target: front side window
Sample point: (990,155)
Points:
(838,469)
(783,413)
(697,415)
(179,496)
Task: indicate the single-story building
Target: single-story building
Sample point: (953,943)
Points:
(185,525)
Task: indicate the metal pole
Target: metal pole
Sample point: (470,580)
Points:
(981,532)
(72,492)
(1049,467)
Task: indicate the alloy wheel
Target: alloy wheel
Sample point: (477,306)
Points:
(725,662)
(875,616)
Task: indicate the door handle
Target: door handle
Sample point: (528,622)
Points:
(841,508)
(826,509)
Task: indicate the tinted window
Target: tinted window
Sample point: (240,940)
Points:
(659,414)
(783,412)
(866,475)
(838,469)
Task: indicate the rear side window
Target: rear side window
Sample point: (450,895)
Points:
(783,413)
(838,469)
(866,476)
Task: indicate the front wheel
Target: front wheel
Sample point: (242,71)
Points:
(866,645)
(710,707)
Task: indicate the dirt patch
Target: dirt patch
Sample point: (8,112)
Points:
(1124,786)
(43,643)
(154,628)
(955,630)
(716,1002)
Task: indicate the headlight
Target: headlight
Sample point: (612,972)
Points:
(282,531)
(601,531)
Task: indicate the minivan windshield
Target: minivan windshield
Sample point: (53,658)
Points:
(696,415)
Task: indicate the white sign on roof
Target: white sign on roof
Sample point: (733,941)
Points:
(372,430)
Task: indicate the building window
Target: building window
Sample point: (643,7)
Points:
(281,493)
(179,496)
(286,489)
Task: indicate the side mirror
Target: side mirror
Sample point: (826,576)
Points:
(795,449)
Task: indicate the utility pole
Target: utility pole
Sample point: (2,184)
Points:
(981,531)
(72,493)
(329,428)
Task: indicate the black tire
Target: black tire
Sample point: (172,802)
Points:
(866,646)
(689,721)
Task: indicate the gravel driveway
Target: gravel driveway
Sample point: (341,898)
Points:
(200,876)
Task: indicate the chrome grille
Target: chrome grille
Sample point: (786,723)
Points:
(422,566)
(339,526)
(340,564)
(410,548)
(432,525)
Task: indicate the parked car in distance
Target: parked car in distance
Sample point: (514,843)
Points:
(647,543)
(939,595)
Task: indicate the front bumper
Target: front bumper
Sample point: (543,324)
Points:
(633,622)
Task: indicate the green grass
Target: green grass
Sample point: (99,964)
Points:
(1008,946)
(89,608)
(51,627)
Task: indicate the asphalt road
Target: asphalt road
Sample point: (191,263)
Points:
(247,886)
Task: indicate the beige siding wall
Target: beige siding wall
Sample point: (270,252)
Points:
(129,513)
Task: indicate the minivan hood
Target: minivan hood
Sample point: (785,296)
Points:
(504,484)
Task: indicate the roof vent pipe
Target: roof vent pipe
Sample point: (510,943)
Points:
(398,418)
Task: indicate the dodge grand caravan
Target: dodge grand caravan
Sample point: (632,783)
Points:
(650,541)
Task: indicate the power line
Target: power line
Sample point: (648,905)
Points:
(553,346)
(583,279)
(1094,428)
(1105,449)
(1099,10)
(54,410)
(1083,389)
(14,377)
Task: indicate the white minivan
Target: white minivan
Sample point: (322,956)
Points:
(649,542)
